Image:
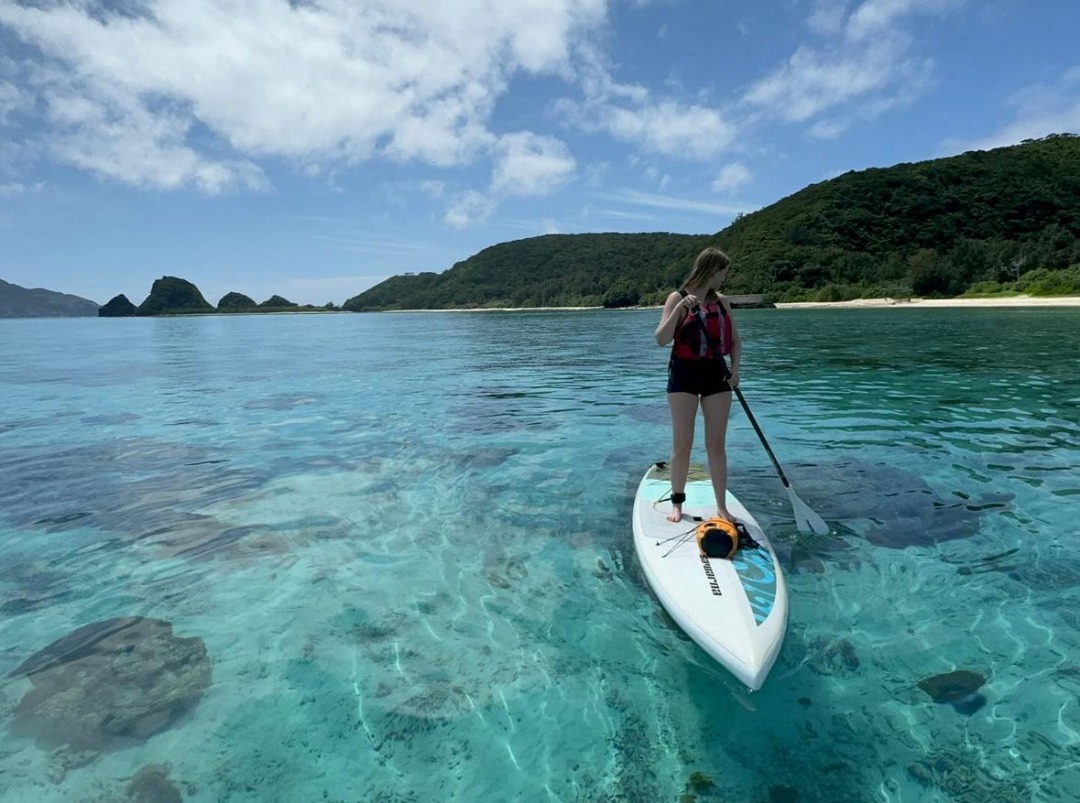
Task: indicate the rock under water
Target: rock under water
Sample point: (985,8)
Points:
(959,688)
(152,784)
(111,684)
(893,508)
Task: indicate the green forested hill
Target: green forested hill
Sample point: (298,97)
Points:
(984,221)
(21,302)
(555,270)
(927,228)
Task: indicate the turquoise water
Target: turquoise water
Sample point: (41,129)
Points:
(403,543)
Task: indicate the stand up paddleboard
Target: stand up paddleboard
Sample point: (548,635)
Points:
(736,610)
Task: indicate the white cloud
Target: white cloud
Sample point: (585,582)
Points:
(731,177)
(154,98)
(828,16)
(828,129)
(867,64)
(658,201)
(528,164)
(814,81)
(17,189)
(671,129)
(629,113)
(589,212)
(596,173)
(471,208)
(1037,111)
(876,16)
(524,165)
(658,177)
(918,78)
(126,141)
(433,188)
(14,157)
(11,100)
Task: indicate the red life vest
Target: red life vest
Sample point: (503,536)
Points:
(690,345)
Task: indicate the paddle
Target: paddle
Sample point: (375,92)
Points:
(805,518)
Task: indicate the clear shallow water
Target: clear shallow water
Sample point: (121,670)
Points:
(404,541)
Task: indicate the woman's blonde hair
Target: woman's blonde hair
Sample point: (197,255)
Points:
(708,263)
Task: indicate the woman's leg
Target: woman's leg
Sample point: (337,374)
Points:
(683,408)
(716,407)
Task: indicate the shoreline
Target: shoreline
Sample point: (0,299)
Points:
(858,303)
(1004,301)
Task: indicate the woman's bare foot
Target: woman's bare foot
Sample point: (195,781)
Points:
(723,513)
(675,515)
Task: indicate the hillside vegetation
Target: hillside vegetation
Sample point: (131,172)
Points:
(554,270)
(22,302)
(982,222)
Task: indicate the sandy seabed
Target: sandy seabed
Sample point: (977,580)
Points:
(1005,301)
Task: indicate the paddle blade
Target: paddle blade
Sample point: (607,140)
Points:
(805,518)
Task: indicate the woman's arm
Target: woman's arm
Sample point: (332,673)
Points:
(674,311)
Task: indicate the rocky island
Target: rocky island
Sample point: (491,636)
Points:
(171,295)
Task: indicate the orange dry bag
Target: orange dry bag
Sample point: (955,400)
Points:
(717,538)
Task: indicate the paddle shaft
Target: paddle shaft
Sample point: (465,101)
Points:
(742,399)
(805,518)
(760,434)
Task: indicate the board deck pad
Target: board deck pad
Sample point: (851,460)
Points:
(736,609)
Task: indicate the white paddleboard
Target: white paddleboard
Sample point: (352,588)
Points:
(736,610)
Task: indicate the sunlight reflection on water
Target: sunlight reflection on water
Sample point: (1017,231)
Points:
(404,540)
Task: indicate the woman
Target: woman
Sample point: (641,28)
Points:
(697,374)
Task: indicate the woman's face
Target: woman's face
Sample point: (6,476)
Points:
(718,279)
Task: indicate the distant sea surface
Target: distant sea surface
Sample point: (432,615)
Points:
(388,557)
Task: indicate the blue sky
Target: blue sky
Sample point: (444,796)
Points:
(311,149)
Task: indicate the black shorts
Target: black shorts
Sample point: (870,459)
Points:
(700,377)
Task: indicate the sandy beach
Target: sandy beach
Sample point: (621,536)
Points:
(858,303)
(1010,301)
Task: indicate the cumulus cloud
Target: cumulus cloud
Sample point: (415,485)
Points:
(530,164)
(126,141)
(524,165)
(828,16)
(433,188)
(10,100)
(470,209)
(1038,110)
(14,158)
(876,16)
(172,94)
(813,80)
(828,129)
(17,189)
(731,177)
(154,95)
(671,129)
(866,65)
(630,113)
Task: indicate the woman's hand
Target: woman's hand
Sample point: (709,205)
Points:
(690,302)
(733,378)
